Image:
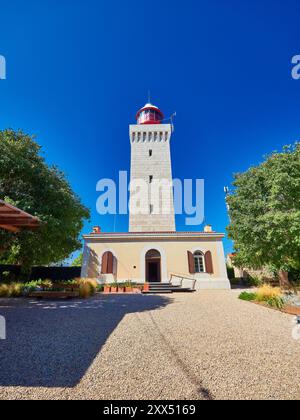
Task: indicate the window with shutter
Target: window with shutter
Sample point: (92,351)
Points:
(107,266)
(191,263)
(104,263)
(110,263)
(209,263)
(199,263)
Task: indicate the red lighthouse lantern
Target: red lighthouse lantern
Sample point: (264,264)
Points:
(149,114)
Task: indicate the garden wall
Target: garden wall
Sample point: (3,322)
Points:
(52,273)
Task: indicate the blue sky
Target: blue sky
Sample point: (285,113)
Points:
(77,72)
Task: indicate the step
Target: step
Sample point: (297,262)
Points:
(159,284)
(163,288)
(166,287)
(183,290)
(158,292)
(170,290)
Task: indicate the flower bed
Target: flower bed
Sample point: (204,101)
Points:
(82,288)
(275,298)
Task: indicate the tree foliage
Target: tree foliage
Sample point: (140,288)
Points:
(265,212)
(27,182)
(77,262)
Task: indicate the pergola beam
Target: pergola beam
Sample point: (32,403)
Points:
(13,229)
(17,221)
(8,212)
(13,219)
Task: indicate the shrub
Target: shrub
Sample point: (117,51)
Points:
(230,272)
(247,296)
(4,290)
(85,291)
(276,302)
(254,281)
(46,284)
(31,286)
(11,290)
(8,277)
(93,284)
(294,276)
(5,276)
(235,281)
(266,292)
(87,287)
(15,289)
(296,286)
(129,283)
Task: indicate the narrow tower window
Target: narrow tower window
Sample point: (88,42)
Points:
(150,153)
(151,208)
(150,179)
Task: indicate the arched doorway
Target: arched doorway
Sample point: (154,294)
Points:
(153,266)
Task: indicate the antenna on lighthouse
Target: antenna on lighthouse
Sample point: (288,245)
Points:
(172,118)
(227,193)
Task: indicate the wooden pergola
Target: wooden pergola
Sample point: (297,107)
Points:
(14,219)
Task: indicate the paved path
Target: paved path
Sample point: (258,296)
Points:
(208,345)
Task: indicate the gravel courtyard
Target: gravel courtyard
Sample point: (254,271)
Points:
(207,345)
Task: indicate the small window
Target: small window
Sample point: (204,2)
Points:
(199,262)
(150,153)
(151,208)
(150,179)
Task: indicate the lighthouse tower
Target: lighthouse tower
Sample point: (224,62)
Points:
(151,163)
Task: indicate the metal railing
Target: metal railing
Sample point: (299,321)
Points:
(182,278)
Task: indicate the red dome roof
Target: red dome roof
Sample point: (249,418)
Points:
(149,114)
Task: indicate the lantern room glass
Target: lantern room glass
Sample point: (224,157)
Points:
(149,116)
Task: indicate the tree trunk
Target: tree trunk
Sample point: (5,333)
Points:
(284,279)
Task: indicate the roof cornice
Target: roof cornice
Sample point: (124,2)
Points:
(153,235)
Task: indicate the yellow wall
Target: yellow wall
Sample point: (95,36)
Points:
(130,253)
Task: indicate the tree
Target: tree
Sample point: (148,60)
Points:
(43,191)
(77,262)
(264,209)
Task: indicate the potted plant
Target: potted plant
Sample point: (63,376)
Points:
(106,288)
(114,288)
(136,289)
(128,287)
(121,288)
(146,287)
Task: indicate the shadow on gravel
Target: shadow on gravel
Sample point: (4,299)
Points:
(52,344)
(203,392)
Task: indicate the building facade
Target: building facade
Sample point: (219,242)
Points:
(153,251)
